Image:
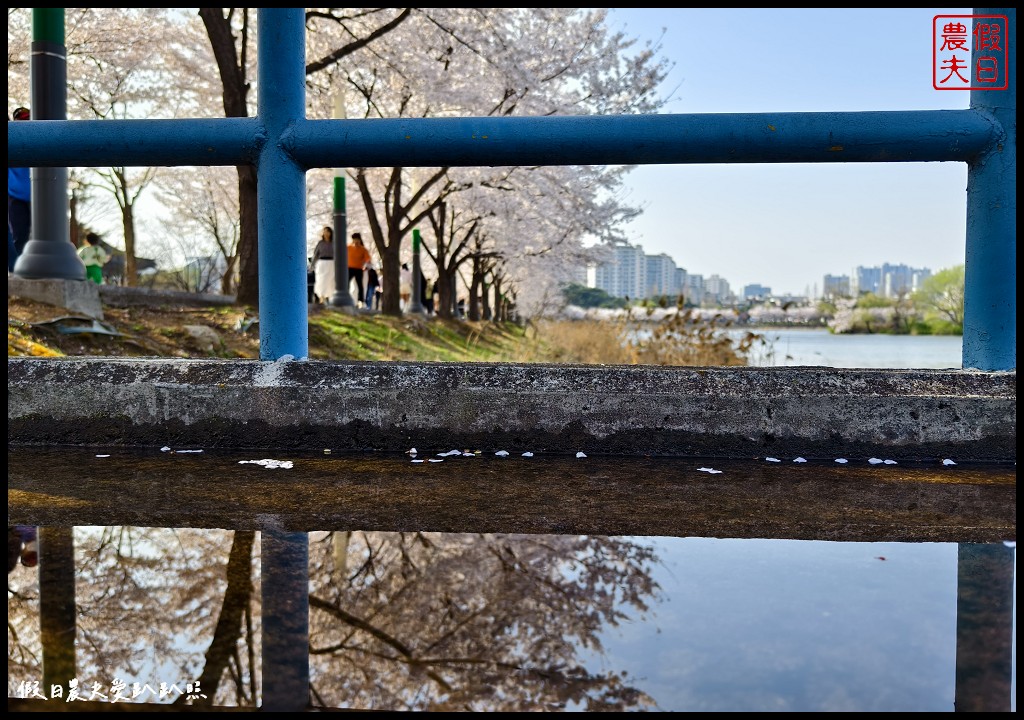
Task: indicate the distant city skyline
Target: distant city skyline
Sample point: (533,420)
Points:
(633,272)
(788,225)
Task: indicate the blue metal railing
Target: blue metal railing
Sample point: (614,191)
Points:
(283,145)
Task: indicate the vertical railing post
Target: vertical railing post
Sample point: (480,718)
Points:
(342,296)
(984,627)
(281,186)
(990,283)
(284,582)
(284,330)
(58,613)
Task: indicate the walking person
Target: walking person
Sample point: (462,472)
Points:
(19,205)
(358,259)
(21,545)
(94,257)
(323,266)
(405,285)
(372,285)
(426,298)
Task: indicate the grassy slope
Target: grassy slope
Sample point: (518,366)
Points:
(169,331)
(333,335)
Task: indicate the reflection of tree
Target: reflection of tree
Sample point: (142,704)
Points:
(419,621)
(429,621)
(24,647)
(148,602)
(224,651)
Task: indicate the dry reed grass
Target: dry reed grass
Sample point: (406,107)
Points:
(680,338)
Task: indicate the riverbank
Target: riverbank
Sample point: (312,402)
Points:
(184,326)
(179,326)
(179,330)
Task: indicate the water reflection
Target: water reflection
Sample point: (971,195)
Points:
(367,581)
(474,621)
(417,620)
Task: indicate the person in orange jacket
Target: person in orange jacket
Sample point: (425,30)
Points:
(358,260)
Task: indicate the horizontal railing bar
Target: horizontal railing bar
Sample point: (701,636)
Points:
(793,137)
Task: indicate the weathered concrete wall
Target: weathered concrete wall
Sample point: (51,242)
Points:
(123,296)
(77,296)
(627,410)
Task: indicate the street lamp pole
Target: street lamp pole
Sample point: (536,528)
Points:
(416,301)
(342,297)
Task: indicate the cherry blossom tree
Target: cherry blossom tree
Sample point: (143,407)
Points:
(231,36)
(389,63)
(425,621)
(206,210)
(113,72)
(489,62)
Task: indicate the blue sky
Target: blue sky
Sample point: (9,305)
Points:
(786,226)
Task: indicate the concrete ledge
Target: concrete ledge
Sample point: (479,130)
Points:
(80,296)
(615,410)
(118,296)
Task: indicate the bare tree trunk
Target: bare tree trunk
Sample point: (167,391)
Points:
(131,269)
(499,305)
(446,294)
(227,280)
(474,292)
(387,238)
(248,245)
(391,299)
(229,625)
(236,88)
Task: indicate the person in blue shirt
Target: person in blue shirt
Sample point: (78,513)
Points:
(19,205)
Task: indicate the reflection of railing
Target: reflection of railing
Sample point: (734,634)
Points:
(283,145)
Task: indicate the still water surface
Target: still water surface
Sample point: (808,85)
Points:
(417,621)
(421,620)
(793,347)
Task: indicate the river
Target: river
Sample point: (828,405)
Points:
(794,347)
(802,347)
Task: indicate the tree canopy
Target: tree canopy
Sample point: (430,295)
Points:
(518,229)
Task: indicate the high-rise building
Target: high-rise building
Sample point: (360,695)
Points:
(633,274)
(756,293)
(836,286)
(898,280)
(694,290)
(717,289)
(866,280)
(625,275)
(681,283)
(661,276)
(888,280)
